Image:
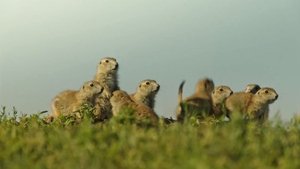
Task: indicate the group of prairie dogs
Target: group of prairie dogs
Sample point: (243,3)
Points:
(104,94)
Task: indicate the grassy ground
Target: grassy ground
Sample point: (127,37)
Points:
(27,142)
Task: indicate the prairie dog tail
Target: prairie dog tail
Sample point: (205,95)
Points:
(179,110)
(180,91)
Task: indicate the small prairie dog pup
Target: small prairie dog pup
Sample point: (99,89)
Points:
(107,76)
(200,101)
(70,101)
(218,96)
(252,88)
(121,100)
(252,106)
(146,92)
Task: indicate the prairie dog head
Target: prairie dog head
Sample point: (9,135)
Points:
(252,88)
(91,89)
(220,93)
(108,65)
(266,95)
(205,86)
(148,87)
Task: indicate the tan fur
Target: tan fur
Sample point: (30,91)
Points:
(107,76)
(252,88)
(121,100)
(219,95)
(69,101)
(200,101)
(146,92)
(251,106)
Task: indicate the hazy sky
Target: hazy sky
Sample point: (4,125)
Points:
(50,46)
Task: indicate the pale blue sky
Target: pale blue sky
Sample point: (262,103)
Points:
(52,45)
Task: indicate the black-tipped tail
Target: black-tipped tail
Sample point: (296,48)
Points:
(180,91)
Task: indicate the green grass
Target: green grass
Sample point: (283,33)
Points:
(27,142)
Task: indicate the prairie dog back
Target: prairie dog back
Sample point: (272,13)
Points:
(121,100)
(199,103)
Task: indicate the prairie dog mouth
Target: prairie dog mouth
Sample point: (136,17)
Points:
(101,90)
(116,67)
(157,88)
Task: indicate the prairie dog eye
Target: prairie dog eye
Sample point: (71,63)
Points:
(147,83)
(221,90)
(92,85)
(106,61)
(266,91)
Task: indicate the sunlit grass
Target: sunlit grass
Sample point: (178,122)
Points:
(26,141)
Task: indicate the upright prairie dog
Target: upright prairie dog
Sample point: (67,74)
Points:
(252,88)
(252,106)
(70,101)
(107,76)
(200,102)
(120,100)
(146,92)
(218,96)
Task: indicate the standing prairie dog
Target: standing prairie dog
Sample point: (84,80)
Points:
(251,106)
(120,100)
(146,92)
(218,96)
(107,76)
(252,88)
(70,101)
(199,102)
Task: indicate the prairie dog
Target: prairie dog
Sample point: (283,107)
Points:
(70,101)
(121,100)
(146,92)
(252,106)
(252,88)
(107,76)
(199,102)
(218,96)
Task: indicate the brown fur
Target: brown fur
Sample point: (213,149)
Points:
(107,76)
(146,92)
(200,101)
(70,101)
(120,100)
(251,106)
(219,95)
(252,88)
